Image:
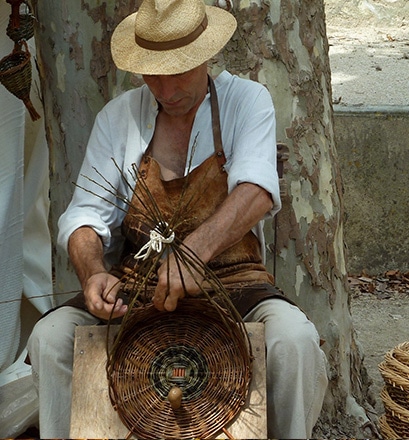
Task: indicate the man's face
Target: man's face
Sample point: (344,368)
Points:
(179,94)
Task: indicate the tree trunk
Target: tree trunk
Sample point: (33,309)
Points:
(283,45)
(77,78)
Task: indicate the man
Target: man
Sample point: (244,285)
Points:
(169,128)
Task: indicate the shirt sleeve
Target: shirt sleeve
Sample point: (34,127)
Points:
(97,195)
(253,157)
(120,134)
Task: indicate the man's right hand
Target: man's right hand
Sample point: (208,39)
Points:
(100,288)
(100,293)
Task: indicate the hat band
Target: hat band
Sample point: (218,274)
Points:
(172,44)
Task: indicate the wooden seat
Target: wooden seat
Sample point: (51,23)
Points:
(92,415)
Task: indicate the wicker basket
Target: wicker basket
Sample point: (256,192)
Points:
(387,432)
(401,354)
(24,31)
(395,395)
(21,25)
(198,350)
(15,75)
(392,377)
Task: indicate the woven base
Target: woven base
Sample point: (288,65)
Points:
(191,348)
(92,413)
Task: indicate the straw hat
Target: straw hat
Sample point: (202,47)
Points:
(167,37)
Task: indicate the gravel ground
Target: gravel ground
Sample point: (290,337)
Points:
(369,61)
(380,314)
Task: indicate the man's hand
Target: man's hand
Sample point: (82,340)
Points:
(100,292)
(170,287)
(100,288)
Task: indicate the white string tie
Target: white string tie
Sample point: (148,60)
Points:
(156,242)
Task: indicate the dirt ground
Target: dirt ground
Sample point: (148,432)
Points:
(369,51)
(369,55)
(380,313)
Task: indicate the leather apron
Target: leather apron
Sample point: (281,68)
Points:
(184,203)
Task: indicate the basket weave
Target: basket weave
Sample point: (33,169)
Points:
(200,349)
(24,30)
(15,75)
(401,354)
(395,395)
(387,432)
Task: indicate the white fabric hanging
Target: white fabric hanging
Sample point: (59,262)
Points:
(25,245)
(12,116)
(37,274)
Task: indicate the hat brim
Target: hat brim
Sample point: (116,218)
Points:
(128,56)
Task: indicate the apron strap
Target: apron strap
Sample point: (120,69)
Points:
(217,135)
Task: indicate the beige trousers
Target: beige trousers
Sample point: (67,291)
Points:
(296,368)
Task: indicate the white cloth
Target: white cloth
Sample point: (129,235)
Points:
(296,368)
(37,270)
(11,207)
(124,128)
(25,245)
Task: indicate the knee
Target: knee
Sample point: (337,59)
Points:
(298,336)
(50,336)
(292,336)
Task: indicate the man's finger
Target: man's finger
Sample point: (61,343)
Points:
(116,313)
(171,303)
(94,301)
(159,300)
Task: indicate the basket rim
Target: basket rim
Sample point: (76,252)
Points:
(392,377)
(401,353)
(393,358)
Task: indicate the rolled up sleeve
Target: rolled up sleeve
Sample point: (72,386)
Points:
(94,202)
(254,158)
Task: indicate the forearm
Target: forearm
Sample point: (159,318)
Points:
(245,206)
(86,253)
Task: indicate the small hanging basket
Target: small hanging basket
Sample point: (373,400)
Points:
(15,75)
(24,30)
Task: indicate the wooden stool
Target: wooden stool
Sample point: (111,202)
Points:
(92,414)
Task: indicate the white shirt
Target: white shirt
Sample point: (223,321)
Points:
(123,130)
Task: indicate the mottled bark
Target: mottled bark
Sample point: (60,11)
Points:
(77,78)
(283,45)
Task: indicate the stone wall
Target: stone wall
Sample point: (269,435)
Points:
(373,150)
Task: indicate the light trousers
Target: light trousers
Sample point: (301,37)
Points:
(296,368)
